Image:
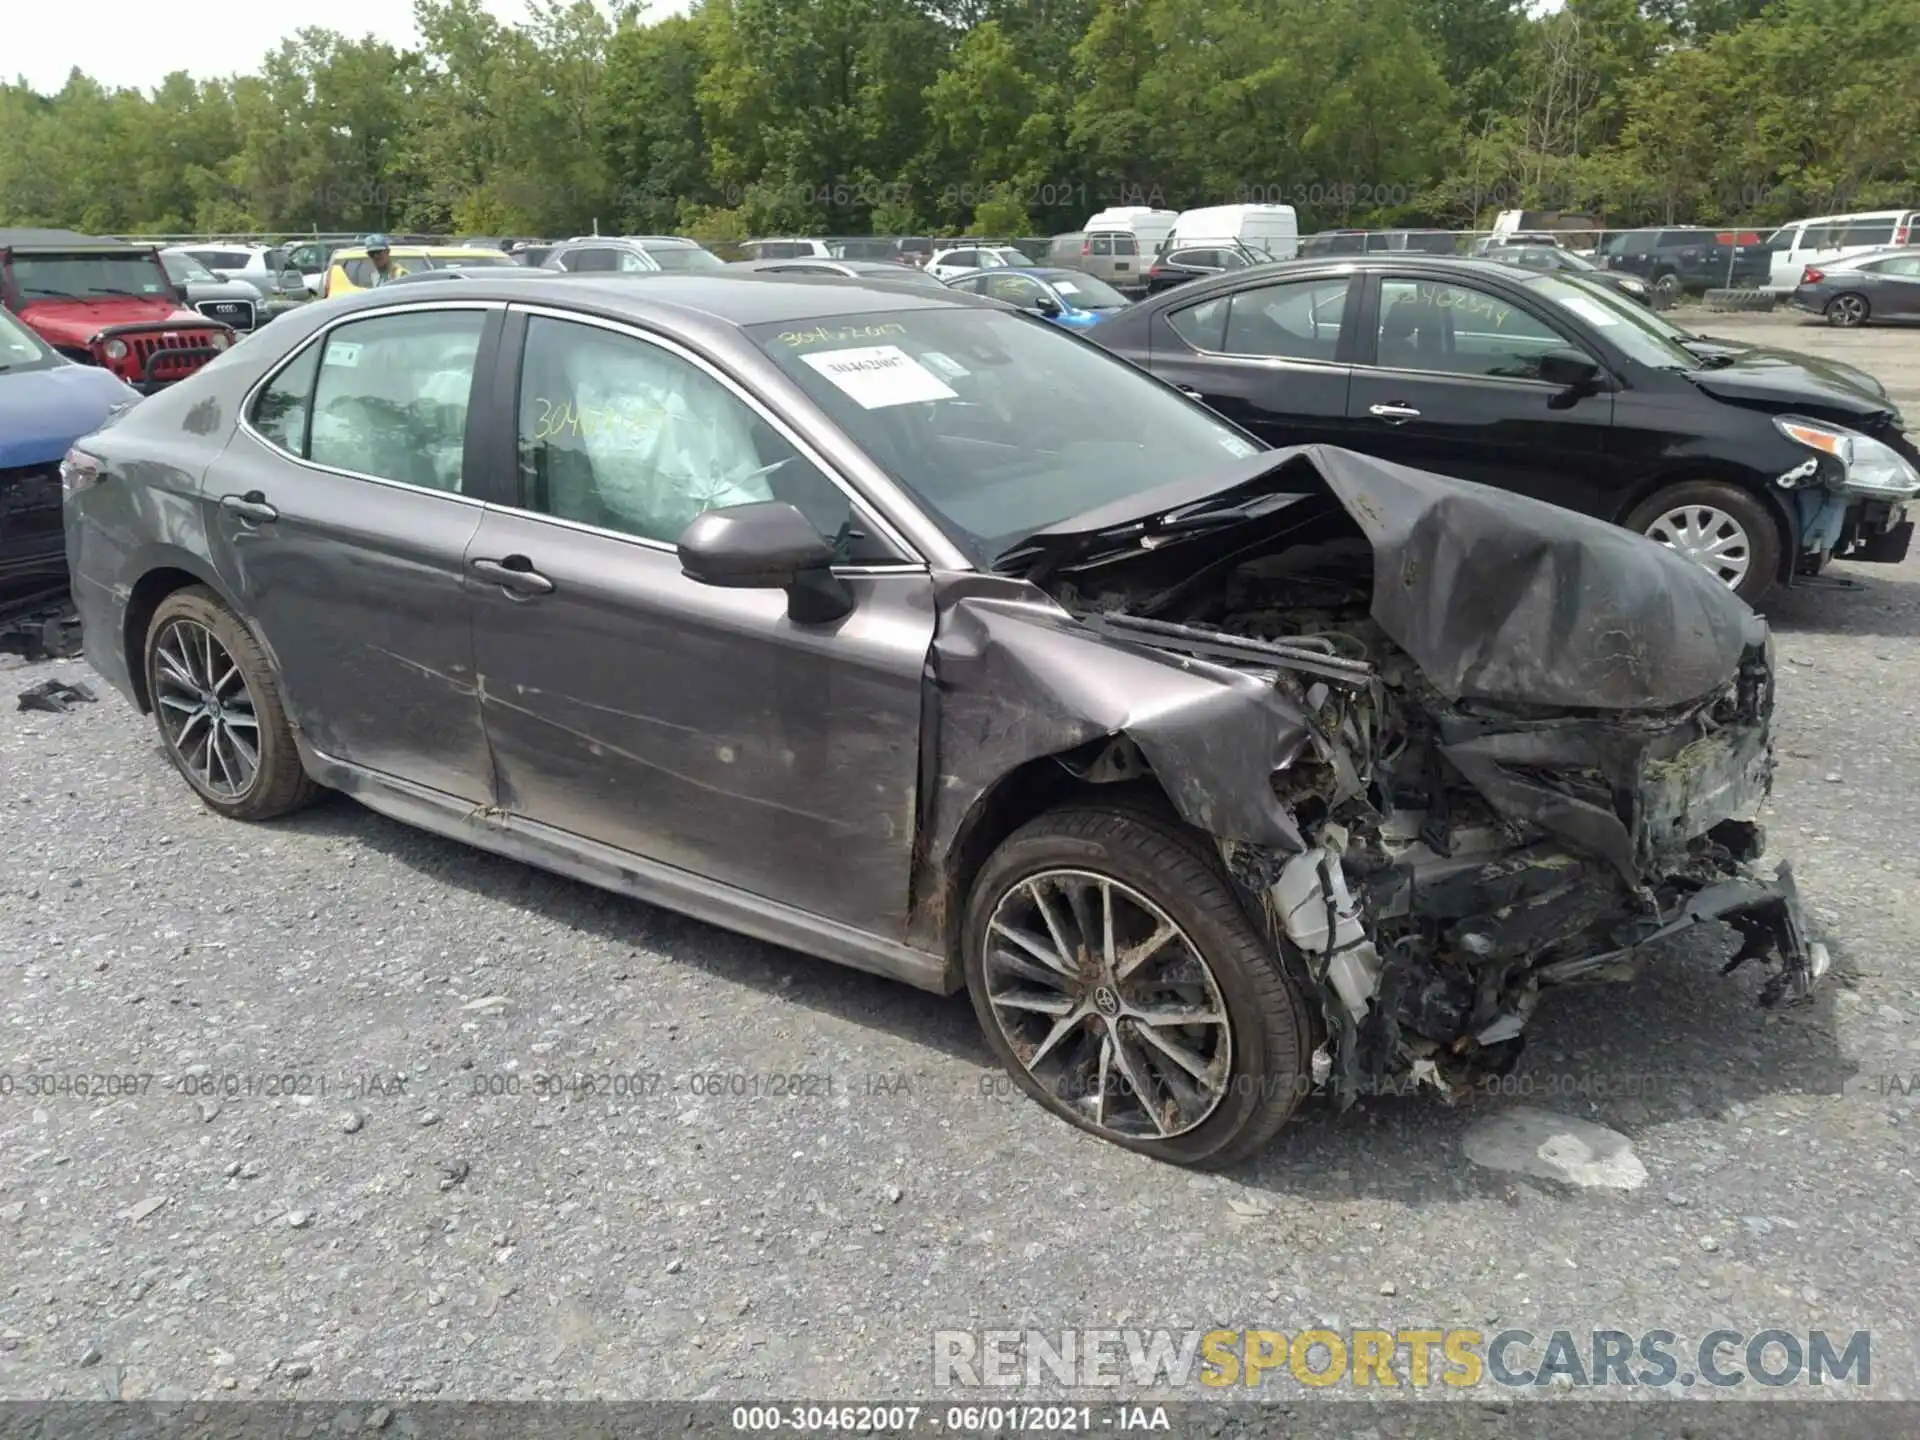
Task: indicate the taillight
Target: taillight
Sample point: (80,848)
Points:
(1811,276)
(79,471)
(1900,235)
(1153,272)
(1086,247)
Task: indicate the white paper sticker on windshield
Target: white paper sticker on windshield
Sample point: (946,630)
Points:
(342,352)
(1592,311)
(1235,446)
(945,366)
(1066,287)
(876,376)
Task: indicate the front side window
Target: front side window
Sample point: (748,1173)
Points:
(592,258)
(1000,427)
(624,435)
(1295,321)
(1459,330)
(1083,292)
(1907,265)
(390,397)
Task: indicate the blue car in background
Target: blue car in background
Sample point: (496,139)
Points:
(1066,297)
(46,403)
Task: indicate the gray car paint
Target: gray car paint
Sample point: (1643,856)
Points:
(695,747)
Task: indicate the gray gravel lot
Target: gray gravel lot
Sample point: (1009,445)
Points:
(431,1225)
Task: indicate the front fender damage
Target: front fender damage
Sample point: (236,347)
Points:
(1456,747)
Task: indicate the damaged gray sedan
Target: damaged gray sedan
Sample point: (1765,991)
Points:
(905,630)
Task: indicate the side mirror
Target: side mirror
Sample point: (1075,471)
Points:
(1570,370)
(1048,306)
(767,545)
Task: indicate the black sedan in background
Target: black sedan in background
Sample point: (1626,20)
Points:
(1196,262)
(1852,290)
(1750,462)
(1550,259)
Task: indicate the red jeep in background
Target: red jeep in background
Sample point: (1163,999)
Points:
(106,303)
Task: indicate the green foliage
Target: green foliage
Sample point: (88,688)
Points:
(1003,116)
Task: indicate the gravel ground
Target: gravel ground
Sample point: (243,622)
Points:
(418,1221)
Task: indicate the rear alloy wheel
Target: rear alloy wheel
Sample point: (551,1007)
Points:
(217,706)
(1717,526)
(1121,984)
(1848,312)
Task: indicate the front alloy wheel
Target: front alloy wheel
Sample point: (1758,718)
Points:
(1108,1004)
(1123,984)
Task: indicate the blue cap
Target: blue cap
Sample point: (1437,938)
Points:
(377,242)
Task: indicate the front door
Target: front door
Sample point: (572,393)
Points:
(699,727)
(1452,386)
(1268,357)
(340,517)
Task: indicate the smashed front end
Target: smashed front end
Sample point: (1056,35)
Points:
(1530,747)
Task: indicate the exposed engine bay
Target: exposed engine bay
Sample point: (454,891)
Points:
(1465,845)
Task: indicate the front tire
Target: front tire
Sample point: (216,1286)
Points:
(1722,527)
(1848,312)
(216,703)
(1123,986)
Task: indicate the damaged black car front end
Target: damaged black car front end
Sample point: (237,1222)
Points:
(1511,747)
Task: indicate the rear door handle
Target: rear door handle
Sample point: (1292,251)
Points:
(516,573)
(1394,414)
(251,507)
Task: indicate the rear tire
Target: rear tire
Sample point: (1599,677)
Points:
(1721,527)
(1089,881)
(1848,311)
(216,703)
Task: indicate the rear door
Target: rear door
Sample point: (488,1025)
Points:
(1274,358)
(1895,286)
(697,726)
(1447,380)
(339,518)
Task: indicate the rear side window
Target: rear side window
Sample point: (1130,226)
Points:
(1101,245)
(592,258)
(1873,232)
(391,395)
(1202,326)
(1908,265)
(280,412)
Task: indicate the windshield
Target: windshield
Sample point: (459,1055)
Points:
(1007,255)
(20,348)
(1001,425)
(682,260)
(183,269)
(1083,292)
(44,276)
(1629,326)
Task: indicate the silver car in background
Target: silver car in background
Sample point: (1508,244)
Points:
(1859,289)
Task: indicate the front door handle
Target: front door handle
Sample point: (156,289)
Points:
(1190,391)
(251,507)
(516,573)
(1394,414)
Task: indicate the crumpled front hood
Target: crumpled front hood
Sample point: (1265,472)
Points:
(42,412)
(1782,381)
(1502,598)
(1494,596)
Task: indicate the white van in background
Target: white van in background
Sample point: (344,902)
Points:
(1271,232)
(1118,245)
(1800,243)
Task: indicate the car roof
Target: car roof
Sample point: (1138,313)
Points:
(1414,261)
(37,239)
(736,299)
(1863,257)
